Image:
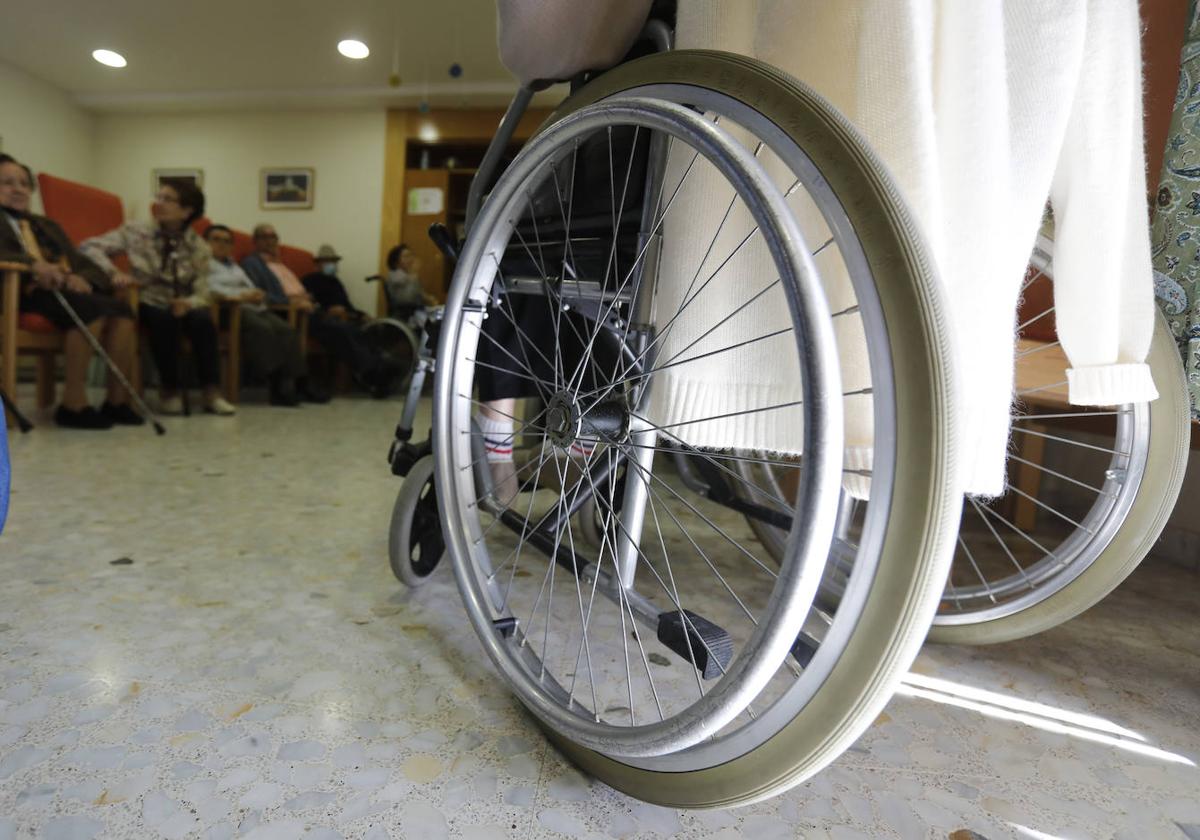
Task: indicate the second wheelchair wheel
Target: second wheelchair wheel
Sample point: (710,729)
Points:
(415,544)
(1089,491)
(678,665)
(394,343)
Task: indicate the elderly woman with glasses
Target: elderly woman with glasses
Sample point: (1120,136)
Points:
(55,265)
(169,263)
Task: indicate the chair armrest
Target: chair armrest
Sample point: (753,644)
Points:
(10,296)
(296,317)
(131,295)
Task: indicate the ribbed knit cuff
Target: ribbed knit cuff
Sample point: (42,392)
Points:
(1111,384)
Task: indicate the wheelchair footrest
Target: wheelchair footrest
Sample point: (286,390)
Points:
(403,455)
(697,640)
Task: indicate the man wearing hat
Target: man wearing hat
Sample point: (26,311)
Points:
(336,324)
(327,290)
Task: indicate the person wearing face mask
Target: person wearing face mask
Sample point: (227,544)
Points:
(169,263)
(327,290)
(54,263)
(337,324)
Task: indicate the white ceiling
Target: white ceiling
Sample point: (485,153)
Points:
(199,54)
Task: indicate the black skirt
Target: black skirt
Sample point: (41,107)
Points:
(88,307)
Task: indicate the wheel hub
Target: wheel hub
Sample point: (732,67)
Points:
(562,420)
(606,421)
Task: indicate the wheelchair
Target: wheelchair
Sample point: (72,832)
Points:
(397,338)
(720,596)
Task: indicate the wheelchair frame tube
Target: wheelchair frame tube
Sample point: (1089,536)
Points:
(491,158)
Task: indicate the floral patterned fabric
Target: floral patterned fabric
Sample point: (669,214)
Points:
(1176,230)
(161,280)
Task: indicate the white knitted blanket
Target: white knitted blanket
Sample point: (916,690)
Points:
(981,110)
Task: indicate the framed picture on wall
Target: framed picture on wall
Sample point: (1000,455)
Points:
(195,176)
(289,188)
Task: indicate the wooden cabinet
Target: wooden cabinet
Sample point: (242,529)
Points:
(439,152)
(422,208)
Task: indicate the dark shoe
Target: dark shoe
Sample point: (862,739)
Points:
(311,393)
(285,395)
(122,415)
(85,418)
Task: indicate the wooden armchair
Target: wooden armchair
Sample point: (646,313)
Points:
(35,337)
(296,318)
(32,335)
(229,343)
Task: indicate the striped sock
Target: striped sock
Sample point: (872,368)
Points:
(581,449)
(497,438)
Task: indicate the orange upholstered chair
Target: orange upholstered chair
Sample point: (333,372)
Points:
(82,211)
(297,259)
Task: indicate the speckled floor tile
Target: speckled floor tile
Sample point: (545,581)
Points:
(200,638)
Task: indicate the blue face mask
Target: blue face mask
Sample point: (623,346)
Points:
(329,268)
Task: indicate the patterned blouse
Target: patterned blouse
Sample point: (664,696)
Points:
(1176,231)
(161,275)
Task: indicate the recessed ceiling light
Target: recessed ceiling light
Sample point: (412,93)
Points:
(353,49)
(109,58)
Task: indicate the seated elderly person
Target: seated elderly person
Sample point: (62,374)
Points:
(270,347)
(331,326)
(170,264)
(402,286)
(327,290)
(54,263)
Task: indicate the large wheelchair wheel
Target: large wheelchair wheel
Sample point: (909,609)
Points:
(1089,491)
(681,665)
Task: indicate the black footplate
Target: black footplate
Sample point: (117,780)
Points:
(698,640)
(403,455)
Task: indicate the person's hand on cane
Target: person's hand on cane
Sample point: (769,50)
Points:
(180,307)
(121,280)
(75,283)
(47,275)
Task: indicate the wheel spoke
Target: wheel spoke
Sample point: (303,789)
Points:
(1000,540)
(1071,442)
(1056,474)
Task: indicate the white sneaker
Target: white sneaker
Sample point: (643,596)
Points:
(171,405)
(219,406)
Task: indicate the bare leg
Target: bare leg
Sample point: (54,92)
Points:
(504,409)
(118,342)
(78,353)
(495,420)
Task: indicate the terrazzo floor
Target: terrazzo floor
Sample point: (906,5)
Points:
(200,637)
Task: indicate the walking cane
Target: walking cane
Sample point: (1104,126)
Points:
(22,421)
(112,366)
(180,370)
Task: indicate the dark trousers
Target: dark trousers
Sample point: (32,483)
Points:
(270,347)
(520,341)
(165,333)
(345,342)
